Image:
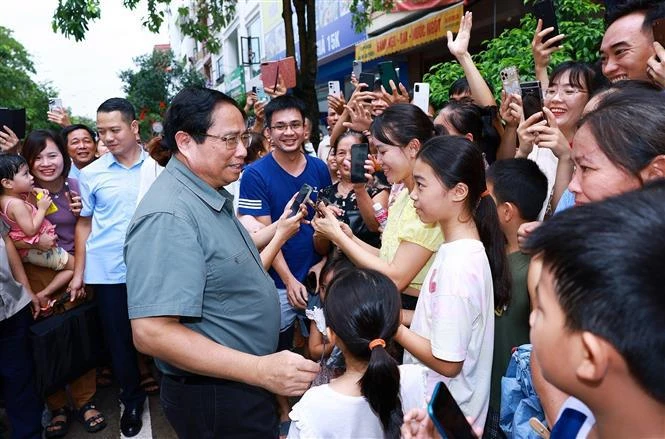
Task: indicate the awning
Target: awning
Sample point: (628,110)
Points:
(427,29)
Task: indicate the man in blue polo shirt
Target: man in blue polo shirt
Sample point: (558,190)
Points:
(109,187)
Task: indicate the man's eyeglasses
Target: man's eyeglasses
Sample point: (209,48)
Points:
(281,126)
(231,141)
(567,91)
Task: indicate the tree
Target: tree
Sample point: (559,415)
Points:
(580,20)
(150,88)
(18,90)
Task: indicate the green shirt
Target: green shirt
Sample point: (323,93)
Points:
(188,256)
(511,329)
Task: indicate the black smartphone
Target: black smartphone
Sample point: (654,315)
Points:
(658,27)
(367,78)
(532,98)
(446,415)
(545,11)
(302,197)
(14,119)
(359,153)
(387,72)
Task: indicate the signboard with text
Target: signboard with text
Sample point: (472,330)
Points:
(429,28)
(415,5)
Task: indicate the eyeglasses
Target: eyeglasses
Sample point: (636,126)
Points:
(567,91)
(281,126)
(232,140)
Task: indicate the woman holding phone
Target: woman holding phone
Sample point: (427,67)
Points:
(49,165)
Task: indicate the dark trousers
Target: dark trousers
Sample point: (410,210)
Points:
(218,409)
(112,305)
(24,408)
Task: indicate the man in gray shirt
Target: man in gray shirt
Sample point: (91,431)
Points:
(199,298)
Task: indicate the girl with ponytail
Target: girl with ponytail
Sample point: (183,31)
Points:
(362,310)
(452,331)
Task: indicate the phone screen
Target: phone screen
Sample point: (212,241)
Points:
(359,153)
(446,415)
(532,98)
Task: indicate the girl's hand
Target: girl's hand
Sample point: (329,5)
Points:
(459,46)
(510,116)
(76,288)
(328,226)
(417,425)
(550,136)
(399,94)
(45,201)
(361,117)
(46,241)
(8,139)
(542,51)
(527,138)
(656,69)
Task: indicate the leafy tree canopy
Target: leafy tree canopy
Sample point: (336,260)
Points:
(158,77)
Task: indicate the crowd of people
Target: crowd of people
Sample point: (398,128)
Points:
(545,233)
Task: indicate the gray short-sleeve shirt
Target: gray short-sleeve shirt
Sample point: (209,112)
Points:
(188,256)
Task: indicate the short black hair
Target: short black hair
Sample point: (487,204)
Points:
(520,182)
(461,86)
(607,262)
(122,105)
(9,166)
(34,144)
(581,75)
(284,102)
(652,9)
(66,131)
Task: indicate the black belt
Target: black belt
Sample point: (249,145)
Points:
(196,380)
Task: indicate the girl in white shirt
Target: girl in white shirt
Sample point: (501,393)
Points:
(362,311)
(452,331)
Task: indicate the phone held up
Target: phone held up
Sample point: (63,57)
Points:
(334,89)
(532,98)
(303,195)
(446,415)
(545,11)
(421,96)
(388,73)
(359,154)
(510,79)
(54,104)
(368,79)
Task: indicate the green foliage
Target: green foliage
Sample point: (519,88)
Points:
(150,88)
(73,17)
(362,11)
(18,90)
(580,20)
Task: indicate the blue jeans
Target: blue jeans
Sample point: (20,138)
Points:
(24,408)
(112,305)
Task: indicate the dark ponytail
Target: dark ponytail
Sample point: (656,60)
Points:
(362,307)
(456,160)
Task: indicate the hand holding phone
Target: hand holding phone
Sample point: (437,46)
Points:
(334,89)
(357,68)
(446,415)
(544,10)
(532,98)
(302,197)
(510,79)
(368,79)
(388,73)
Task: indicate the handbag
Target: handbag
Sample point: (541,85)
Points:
(67,345)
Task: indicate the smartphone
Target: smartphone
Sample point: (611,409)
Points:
(325,201)
(54,104)
(367,78)
(261,95)
(14,119)
(357,68)
(421,96)
(511,80)
(387,72)
(545,11)
(359,154)
(658,26)
(532,98)
(302,197)
(333,88)
(446,415)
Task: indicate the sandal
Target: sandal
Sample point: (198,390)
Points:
(94,423)
(104,377)
(149,384)
(58,428)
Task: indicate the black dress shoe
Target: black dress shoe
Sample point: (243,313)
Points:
(130,422)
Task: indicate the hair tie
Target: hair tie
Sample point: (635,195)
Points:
(377,342)
(485,193)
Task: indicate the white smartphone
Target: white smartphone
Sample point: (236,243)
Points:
(421,96)
(357,68)
(54,103)
(333,88)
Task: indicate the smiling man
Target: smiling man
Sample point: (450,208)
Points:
(81,146)
(109,188)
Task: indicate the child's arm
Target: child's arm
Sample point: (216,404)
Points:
(421,348)
(23,216)
(316,345)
